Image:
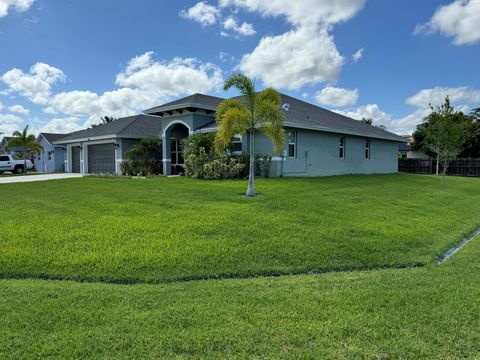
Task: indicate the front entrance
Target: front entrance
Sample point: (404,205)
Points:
(176,153)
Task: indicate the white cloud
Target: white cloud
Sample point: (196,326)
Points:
(304,55)
(305,12)
(370,111)
(242,30)
(299,57)
(9,123)
(18,5)
(459,20)
(1,106)
(61,125)
(36,85)
(144,83)
(19,109)
(202,12)
(436,96)
(358,55)
(333,96)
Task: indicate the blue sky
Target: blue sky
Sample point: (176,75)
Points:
(65,63)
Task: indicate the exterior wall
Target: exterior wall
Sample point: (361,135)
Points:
(318,155)
(51,159)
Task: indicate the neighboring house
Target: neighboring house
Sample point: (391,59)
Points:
(318,142)
(51,159)
(406,152)
(4,149)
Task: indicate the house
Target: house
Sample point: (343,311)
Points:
(4,146)
(318,142)
(51,159)
(406,152)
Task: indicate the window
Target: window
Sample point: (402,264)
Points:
(176,152)
(292,144)
(4,158)
(341,152)
(236,144)
(49,156)
(367,149)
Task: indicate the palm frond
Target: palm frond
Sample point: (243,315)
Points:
(233,118)
(246,88)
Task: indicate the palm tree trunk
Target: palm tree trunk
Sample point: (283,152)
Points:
(438,165)
(251,173)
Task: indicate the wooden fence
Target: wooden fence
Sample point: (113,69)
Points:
(459,167)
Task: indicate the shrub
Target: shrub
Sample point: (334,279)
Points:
(222,167)
(144,158)
(262,164)
(198,150)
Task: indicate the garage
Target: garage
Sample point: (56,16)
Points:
(101,158)
(76,159)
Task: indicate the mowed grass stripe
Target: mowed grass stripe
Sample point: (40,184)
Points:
(427,313)
(163,230)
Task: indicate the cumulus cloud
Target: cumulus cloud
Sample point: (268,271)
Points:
(19,109)
(18,5)
(201,12)
(143,83)
(304,55)
(358,55)
(9,123)
(333,96)
(244,29)
(299,57)
(61,125)
(36,85)
(459,20)
(436,96)
(305,12)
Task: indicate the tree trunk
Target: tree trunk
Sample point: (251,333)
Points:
(251,173)
(24,166)
(444,172)
(438,165)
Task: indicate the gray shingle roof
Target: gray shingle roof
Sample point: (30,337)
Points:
(135,127)
(305,115)
(52,137)
(196,100)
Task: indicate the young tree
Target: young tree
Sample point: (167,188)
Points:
(26,141)
(445,135)
(253,113)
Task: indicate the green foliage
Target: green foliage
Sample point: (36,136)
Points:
(25,140)
(254,112)
(262,165)
(149,148)
(135,167)
(222,167)
(470,147)
(144,158)
(163,229)
(104,120)
(202,162)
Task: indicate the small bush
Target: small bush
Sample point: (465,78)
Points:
(222,167)
(141,167)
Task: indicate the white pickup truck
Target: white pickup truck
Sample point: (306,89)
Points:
(14,164)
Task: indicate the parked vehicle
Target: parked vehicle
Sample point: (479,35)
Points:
(14,164)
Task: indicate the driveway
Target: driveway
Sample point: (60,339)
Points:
(42,177)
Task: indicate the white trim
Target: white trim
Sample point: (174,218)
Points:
(277,158)
(167,160)
(190,131)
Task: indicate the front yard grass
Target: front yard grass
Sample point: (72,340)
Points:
(422,313)
(166,229)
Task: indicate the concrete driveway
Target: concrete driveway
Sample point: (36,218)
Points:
(42,177)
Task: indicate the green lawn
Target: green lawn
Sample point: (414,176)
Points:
(165,229)
(423,313)
(176,229)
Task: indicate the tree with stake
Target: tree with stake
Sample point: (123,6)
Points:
(26,141)
(445,135)
(254,113)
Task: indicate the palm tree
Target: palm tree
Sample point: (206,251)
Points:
(26,141)
(254,112)
(367,121)
(105,120)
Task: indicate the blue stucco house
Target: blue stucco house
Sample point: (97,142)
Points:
(318,142)
(52,158)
